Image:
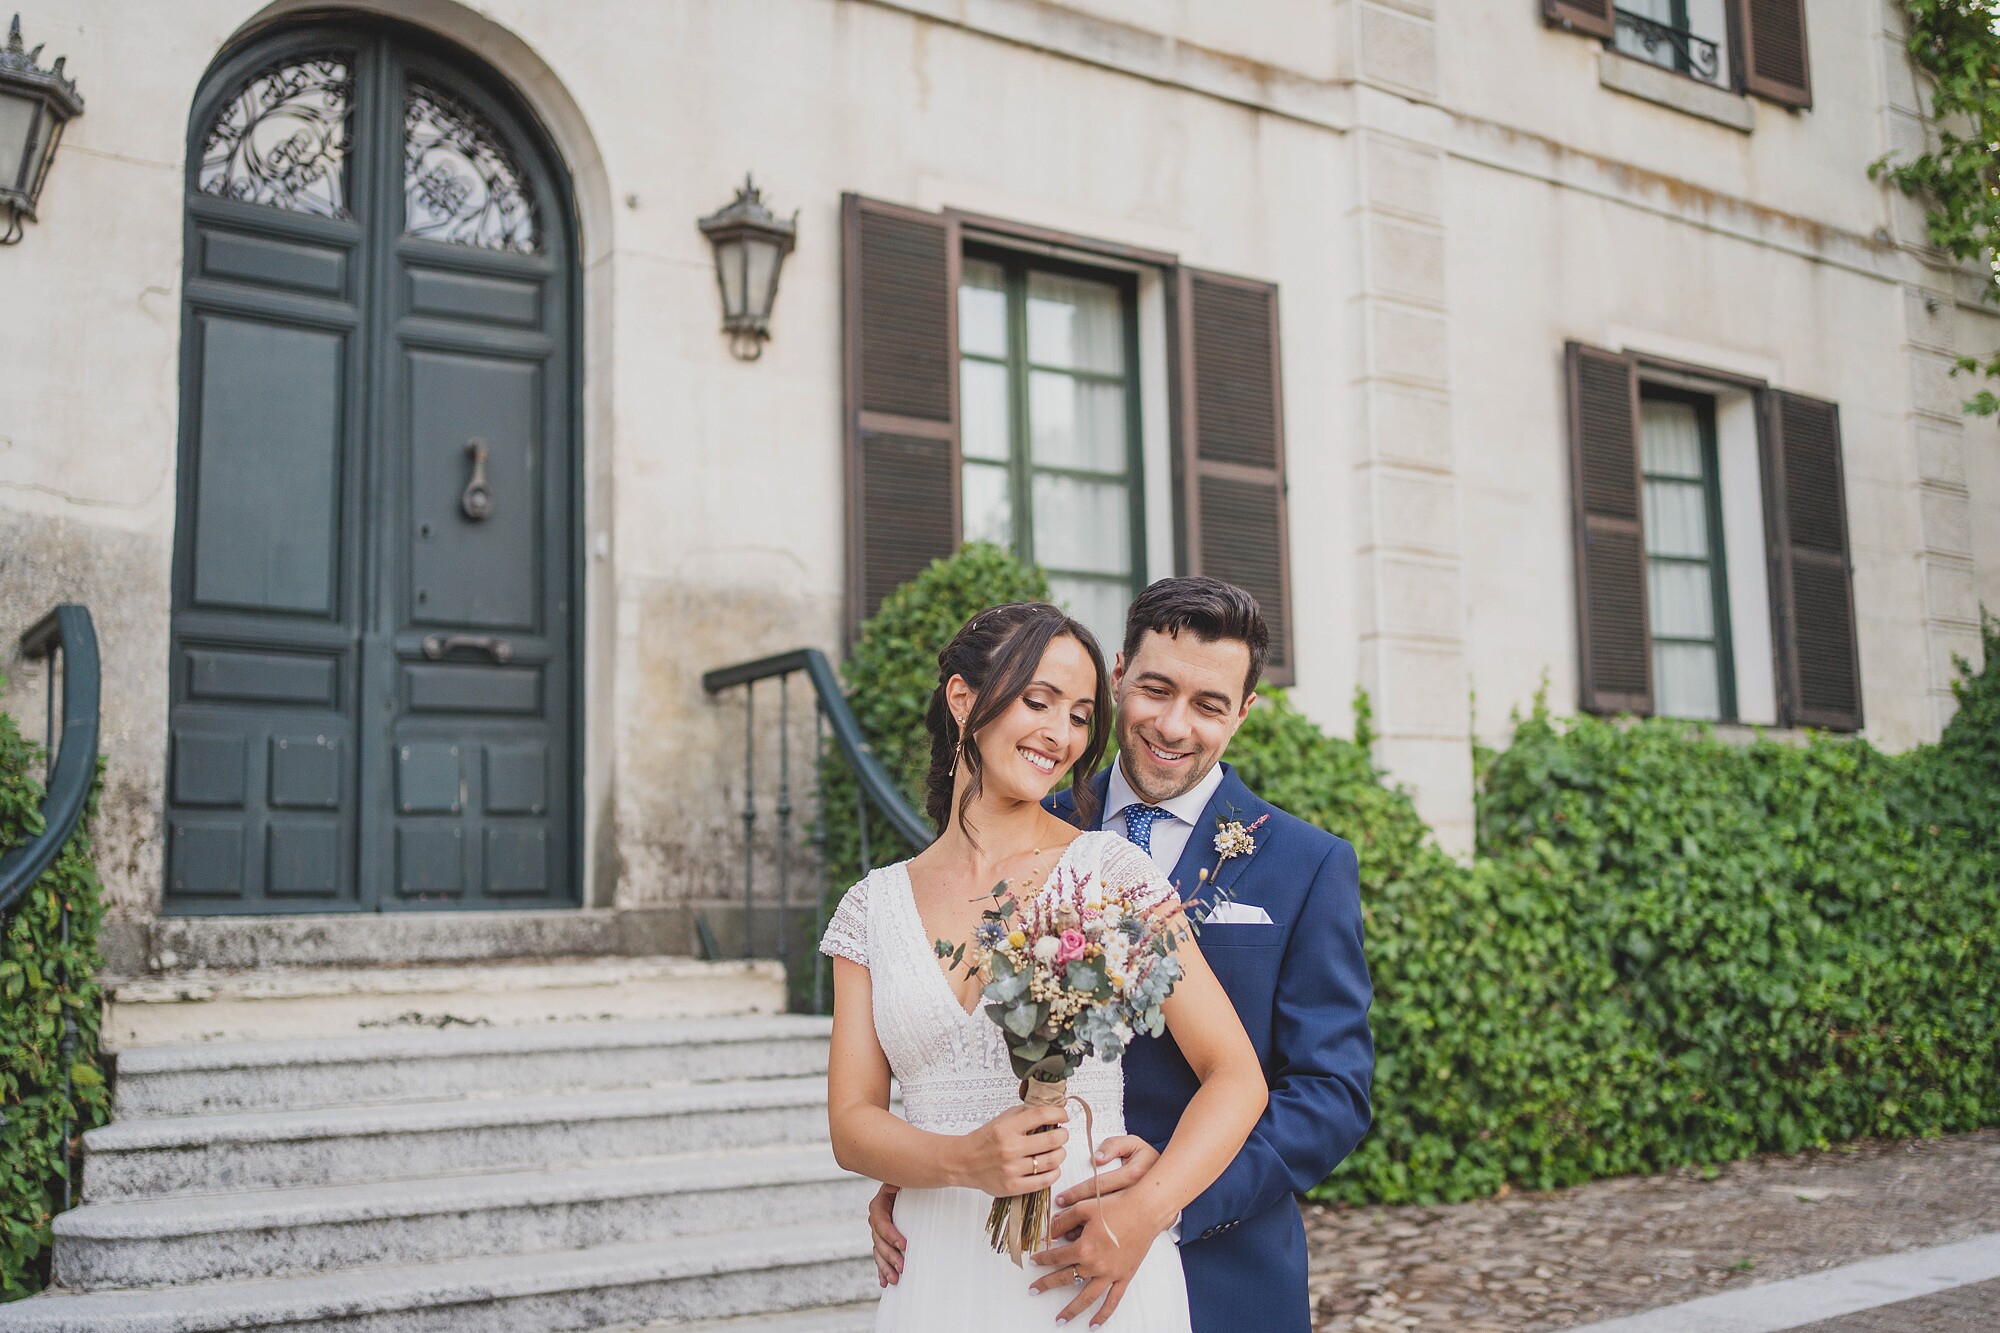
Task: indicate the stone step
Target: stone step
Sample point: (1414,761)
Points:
(129,1159)
(763,1271)
(226,1078)
(230,1237)
(289,1003)
(363,939)
(855,1318)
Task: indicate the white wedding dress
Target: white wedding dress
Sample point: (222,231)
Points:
(954,1074)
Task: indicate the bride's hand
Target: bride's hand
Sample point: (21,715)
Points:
(1098,1267)
(1007,1156)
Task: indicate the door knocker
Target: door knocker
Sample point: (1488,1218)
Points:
(477,502)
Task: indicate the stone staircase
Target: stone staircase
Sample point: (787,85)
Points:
(464,1164)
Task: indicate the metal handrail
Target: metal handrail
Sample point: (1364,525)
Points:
(66,789)
(873,785)
(73,772)
(875,781)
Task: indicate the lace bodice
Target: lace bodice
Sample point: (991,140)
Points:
(952,1065)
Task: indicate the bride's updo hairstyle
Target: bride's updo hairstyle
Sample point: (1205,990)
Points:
(997,652)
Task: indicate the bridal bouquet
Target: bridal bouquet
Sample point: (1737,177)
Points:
(1072,973)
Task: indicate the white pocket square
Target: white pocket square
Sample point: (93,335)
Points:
(1237,914)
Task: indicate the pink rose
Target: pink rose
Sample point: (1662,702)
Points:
(1073,945)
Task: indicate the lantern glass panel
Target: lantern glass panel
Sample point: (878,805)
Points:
(20,156)
(729,267)
(761,275)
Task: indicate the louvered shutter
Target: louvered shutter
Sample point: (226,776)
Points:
(1614,638)
(1231,447)
(1812,592)
(901,317)
(1771,41)
(1590,17)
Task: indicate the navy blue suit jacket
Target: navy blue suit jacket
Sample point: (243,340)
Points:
(1301,987)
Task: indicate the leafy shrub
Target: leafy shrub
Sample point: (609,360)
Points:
(42,979)
(1673,949)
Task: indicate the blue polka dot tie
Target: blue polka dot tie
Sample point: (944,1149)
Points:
(1139,821)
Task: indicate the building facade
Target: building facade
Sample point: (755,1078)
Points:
(363,373)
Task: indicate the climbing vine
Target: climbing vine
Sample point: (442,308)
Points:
(1956,46)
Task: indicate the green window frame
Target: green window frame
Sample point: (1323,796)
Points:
(981,452)
(1681,482)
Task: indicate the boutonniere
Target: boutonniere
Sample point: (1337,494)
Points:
(1232,837)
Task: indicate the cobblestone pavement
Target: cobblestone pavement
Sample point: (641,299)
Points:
(1973,1308)
(1525,1261)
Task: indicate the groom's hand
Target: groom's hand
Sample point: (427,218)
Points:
(1099,1267)
(1135,1157)
(889,1242)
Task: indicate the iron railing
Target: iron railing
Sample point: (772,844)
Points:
(1663,43)
(872,786)
(67,640)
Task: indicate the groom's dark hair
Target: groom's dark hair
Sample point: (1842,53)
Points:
(1209,609)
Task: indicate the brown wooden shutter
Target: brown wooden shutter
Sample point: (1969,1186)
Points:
(901,316)
(1616,646)
(1230,460)
(1771,46)
(1593,18)
(1812,591)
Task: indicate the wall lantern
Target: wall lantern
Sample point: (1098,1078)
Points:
(750,247)
(35,103)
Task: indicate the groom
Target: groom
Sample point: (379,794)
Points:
(1282,932)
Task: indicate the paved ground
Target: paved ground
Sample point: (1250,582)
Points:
(1526,1262)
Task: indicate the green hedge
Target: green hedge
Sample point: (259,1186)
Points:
(1669,948)
(33,958)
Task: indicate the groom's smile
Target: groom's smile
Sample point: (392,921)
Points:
(1180,700)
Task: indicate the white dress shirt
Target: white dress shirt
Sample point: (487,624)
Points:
(1170,834)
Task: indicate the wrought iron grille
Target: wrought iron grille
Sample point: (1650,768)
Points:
(1672,47)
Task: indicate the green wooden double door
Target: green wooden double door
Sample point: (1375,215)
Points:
(374,633)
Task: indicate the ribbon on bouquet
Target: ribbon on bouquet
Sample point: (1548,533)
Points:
(1034,1092)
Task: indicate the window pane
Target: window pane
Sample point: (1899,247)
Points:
(1676,518)
(1075,324)
(1082,525)
(1683,599)
(982,308)
(1098,603)
(1669,439)
(984,414)
(1684,681)
(989,509)
(1076,423)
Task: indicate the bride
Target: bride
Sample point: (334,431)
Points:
(1021,701)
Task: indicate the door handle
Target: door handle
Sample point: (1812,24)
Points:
(438,646)
(477,501)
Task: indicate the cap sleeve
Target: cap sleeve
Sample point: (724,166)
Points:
(847,933)
(1122,865)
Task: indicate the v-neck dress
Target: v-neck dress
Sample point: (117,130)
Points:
(953,1070)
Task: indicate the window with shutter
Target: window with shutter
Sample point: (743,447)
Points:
(1231,455)
(1049,425)
(1614,639)
(900,278)
(1812,594)
(1772,39)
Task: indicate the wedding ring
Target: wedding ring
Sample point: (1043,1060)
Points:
(1079,1279)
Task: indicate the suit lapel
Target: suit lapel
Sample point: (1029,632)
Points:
(1232,801)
